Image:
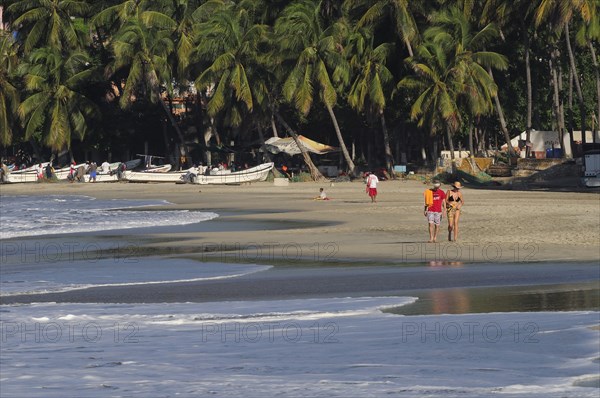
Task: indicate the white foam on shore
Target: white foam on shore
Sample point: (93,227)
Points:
(26,216)
(80,275)
(326,347)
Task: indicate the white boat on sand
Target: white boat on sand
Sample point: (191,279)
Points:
(152,176)
(158,169)
(29,176)
(253,174)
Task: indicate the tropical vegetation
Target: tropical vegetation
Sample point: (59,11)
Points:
(387,81)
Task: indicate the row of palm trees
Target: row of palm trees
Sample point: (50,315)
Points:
(256,64)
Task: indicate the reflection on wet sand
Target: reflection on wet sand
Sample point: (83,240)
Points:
(446,264)
(520,299)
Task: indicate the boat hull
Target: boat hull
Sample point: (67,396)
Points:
(149,176)
(22,177)
(254,174)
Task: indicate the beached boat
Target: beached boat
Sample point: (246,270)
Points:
(111,175)
(151,176)
(30,174)
(22,176)
(158,169)
(63,173)
(257,173)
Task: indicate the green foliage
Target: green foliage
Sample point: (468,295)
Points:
(249,58)
(9,95)
(54,105)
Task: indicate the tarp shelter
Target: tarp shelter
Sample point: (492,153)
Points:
(287,145)
(544,141)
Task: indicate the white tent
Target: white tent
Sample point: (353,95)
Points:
(544,140)
(288,145)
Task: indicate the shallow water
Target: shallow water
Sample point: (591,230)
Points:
(98,318)
(39,216)
(560,297)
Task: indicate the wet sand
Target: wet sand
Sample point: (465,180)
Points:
(440,288)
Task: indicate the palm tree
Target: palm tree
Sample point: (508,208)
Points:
(229,42)
(436,107)
(503,13)
(9,95)
(586,36)
(313,51)
(55,105)
(185,14)
(370,88)
(377,12)
(450,75)
(141,49)
(559,13)
(49,23)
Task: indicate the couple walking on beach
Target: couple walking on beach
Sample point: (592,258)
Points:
(436,200)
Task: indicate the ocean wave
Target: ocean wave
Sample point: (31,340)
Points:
(27,216)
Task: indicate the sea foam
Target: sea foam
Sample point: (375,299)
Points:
(26,216)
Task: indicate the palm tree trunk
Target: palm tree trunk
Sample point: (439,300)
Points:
(408,47)
(263,146)
(570,107)
(200,122)
(597,73)
(577,84)
(451,148)
(314,171)
(471,146)
(529,94)
(349,161)
(556,98)
(511,150)
(155,87)
(389,158)
(274,126)
(174,124)
(561,134)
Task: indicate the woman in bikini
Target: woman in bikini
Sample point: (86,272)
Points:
(454,201)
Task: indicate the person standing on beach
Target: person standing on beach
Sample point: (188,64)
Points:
(434,202)
(49,171)
(93,171)
(80,173)
(71,176)
(3,172)
(454,201)
(121,171)
(372,181)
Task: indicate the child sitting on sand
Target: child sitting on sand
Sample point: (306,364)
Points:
(322,195)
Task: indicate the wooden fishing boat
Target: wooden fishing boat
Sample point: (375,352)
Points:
(253,174)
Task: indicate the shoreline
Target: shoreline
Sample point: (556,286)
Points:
(457,288)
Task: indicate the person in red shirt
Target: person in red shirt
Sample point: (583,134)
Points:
(433,211)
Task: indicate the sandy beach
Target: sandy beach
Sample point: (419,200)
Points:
(496,225)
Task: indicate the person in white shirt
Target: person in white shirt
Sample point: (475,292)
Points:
(105,167)
(372,181)
(322,195)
